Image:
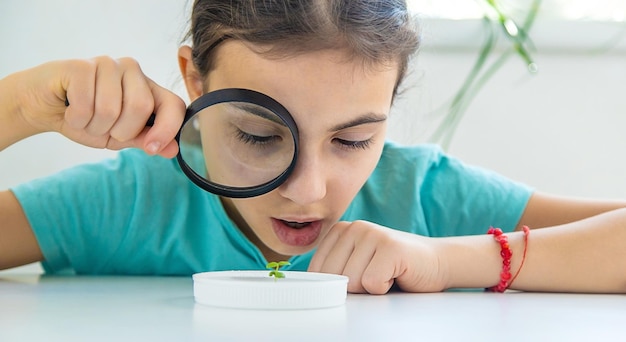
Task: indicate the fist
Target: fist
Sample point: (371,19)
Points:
(375,257)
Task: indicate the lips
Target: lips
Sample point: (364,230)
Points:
(296,233)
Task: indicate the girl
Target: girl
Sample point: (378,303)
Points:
(380,213)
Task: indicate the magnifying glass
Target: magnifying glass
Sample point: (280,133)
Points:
(236,143)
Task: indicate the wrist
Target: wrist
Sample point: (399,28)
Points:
(13,126)
(471,261)
(477,261)
(506,277)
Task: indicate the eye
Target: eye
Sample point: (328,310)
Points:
(353,145)
(256,139)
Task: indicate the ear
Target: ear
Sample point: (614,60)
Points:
(191,76)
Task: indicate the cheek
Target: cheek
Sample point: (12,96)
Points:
(355,171)
(242,211)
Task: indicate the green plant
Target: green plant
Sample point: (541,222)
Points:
(494,20)
(275,266)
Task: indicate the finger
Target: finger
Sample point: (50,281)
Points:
(107,98)
(380,273)
(137,103)
(170,150)
(169,114)
(79,82)
(325,246)
(357,263)
(338,256)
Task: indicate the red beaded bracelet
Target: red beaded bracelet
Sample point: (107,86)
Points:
(505,251)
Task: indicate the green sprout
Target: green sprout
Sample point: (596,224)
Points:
(275,266)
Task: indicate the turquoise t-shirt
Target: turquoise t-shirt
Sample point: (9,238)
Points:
(139,214)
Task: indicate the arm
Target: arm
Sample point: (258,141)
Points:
(588,255)
(582,256)
(18,245)
(584,250)
(11,127)
(544,210)
(111,100)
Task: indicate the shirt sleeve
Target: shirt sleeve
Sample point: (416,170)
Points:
(460,199)
(420,189)
(80,216)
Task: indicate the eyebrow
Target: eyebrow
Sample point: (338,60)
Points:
(271,116)
(259,111)
(361,120)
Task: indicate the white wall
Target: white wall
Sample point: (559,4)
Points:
(559,130)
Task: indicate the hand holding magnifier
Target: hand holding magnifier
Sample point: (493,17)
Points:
(236,143)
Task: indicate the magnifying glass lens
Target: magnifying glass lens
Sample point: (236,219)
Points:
(237,148)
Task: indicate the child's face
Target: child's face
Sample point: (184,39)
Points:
(340,107)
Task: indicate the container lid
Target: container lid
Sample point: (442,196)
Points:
(257,290)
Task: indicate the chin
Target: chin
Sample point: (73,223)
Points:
(291,250)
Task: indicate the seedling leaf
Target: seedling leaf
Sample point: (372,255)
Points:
(275,266)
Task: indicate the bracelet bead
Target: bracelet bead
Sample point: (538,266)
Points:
(506,278)
(506,254)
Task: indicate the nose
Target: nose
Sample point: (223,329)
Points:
(307,182)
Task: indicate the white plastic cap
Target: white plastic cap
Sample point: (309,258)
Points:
(257,290)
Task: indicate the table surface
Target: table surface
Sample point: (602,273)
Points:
(113,308)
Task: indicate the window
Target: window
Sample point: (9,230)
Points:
(591,10)
(585,25)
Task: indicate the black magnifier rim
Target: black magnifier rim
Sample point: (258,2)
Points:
(248,96)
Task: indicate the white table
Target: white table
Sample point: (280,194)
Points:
(82,308)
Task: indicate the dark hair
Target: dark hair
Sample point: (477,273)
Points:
(375,31)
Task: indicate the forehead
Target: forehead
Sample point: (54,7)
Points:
(285,51)
(328,73)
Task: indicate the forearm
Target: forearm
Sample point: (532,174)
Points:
(582,256)
(12,127)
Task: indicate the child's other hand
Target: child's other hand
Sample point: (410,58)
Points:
(110,103)
(374,257)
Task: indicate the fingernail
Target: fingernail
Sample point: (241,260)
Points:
(154,147)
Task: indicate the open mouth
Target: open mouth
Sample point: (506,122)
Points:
(296,233)
(296,225)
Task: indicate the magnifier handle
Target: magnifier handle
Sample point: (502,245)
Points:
(149,123)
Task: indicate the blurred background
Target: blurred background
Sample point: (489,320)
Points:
(559,129)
